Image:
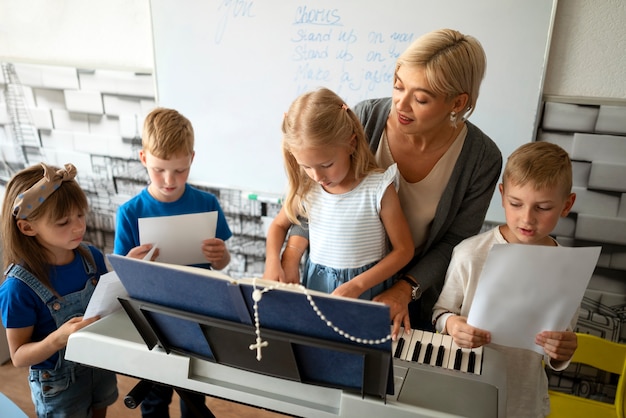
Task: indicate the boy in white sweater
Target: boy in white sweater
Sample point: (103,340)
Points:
(536,192)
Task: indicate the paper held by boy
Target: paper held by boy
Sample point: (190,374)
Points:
(526,289)
(179,237)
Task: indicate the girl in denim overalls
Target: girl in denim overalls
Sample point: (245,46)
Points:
(50,277)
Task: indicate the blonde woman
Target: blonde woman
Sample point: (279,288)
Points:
(448,168)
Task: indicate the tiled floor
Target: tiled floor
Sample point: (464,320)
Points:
(14,384)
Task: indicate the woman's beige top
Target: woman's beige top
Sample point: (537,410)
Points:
(419,200)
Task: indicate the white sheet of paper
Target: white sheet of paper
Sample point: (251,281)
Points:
(526,289)
(104,299)
(179,237)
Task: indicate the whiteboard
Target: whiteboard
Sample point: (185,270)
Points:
(233,67)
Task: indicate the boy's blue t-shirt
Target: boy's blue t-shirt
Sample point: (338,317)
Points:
(21,307)
(145,206)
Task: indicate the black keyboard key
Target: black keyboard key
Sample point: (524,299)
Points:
(399,347)
(428,354)
(416,352)
(458,357)
(472,362)
(441,351)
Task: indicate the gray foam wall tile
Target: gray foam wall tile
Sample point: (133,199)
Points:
(607,283)
(607,148)
(618,260)
(608,176)
(601,229)
(595,203)
(566,227)
(569,117)
(565,241)
(50,98)
(580,173)
(80,101)
(563,140)
(611,119)
(45,76)
(117,82)
(604,260)
(621,213)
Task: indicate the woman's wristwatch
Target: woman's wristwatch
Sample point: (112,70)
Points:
(416,291)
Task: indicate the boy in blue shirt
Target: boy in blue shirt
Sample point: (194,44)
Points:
(167,153)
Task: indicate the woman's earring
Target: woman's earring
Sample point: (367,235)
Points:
(453,118)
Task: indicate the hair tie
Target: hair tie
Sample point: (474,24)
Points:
(344,106)
(25,203)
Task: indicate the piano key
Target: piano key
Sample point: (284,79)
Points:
(399,346)
(446,342)
(465,359)
(441,351)
(437,350)
(403,343)
(458,357)
(479,360)
(471,363)
(428,354)
(426,340)
(435,344)
(454,361)
(394,344)
(415,346)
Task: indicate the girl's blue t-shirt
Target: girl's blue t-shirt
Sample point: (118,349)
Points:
(21,307)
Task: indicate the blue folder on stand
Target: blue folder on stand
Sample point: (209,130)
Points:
(310,337)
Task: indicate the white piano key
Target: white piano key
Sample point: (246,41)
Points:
(394,344)
(406,346)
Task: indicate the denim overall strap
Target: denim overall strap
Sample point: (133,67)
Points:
(90,269)
(26,276)
(64,308)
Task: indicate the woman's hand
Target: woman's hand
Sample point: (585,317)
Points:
(397,297)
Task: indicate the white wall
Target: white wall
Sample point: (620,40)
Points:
(93,34)
(586,57)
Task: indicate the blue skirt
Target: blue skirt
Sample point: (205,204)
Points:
(327,279)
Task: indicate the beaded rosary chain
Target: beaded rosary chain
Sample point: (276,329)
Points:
(257,295)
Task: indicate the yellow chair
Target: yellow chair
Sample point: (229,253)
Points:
(601,354)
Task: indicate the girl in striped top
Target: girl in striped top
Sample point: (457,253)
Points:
(359,236)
